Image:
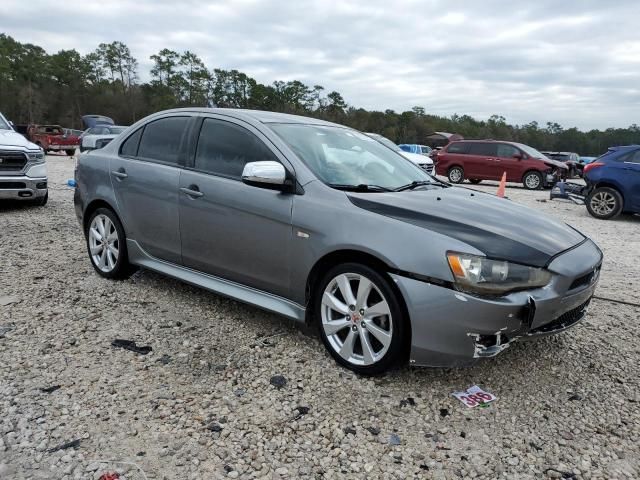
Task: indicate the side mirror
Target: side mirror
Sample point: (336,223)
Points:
(517,156)
(267,174)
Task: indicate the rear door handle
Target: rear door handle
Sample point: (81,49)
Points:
(193,191)
(120,173)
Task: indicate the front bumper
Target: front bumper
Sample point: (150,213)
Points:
(22,187)
(451,328)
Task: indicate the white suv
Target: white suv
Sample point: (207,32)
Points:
(23,172)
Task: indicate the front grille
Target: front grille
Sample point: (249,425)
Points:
(12,160)
(12,185)
(427,168)
(565,320)
(586,280)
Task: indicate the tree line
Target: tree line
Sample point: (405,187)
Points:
(38,87)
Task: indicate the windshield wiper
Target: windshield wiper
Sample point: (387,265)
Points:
(363,187)
(414,184)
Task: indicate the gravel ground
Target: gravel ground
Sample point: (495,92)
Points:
(203,403)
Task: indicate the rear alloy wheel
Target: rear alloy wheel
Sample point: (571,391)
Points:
(107,246)
(360,320)
(456,175)
(532,180)
(604,203)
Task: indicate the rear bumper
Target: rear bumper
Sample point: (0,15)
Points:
(62,147)
(450,328)
(22,187)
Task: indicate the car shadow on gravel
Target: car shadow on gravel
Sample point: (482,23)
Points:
(10,206)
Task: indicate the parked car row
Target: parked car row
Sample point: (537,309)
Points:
(329,226)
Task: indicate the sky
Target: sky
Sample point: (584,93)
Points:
(575,62)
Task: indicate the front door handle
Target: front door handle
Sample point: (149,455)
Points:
(193,191)
(120,173)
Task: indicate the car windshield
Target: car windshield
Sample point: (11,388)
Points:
(532,152)
(117,130)
(4,125)
(341,157)
(385,141)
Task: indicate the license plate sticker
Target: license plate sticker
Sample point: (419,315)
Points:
(475,397)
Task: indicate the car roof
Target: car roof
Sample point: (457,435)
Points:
(257,115)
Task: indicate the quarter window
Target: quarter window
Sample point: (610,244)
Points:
(633,157)
(458,148)
(224,148)
(130,145)
(161,139)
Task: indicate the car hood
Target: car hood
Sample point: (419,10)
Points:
(416,157)
(555,163)
(499,228)
(10,138)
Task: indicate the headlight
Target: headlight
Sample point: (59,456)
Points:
(36,156)
(37,171)
(481,275)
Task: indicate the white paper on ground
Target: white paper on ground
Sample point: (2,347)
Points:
(474,396)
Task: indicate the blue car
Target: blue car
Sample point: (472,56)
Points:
(613,182)
(413,148)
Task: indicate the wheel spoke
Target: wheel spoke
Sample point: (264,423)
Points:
(112,236)
(364,288)
(367,350)
(380,308)
(333,303)
(114,251)
(95,234)
(381,335)
(100,226)
(110,260)
(345,289)
(96,250)
(103,259)
(346,351)
(107,226)
(334,326)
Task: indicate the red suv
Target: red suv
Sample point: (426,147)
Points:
(478,160)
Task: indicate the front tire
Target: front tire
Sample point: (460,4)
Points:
(604,203)
(359,318)
(532,180)
(456,175)
(107,245)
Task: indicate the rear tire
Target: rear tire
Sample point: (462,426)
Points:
(604,203)
(364,328)
(107,245)
(456,174)
(532,180)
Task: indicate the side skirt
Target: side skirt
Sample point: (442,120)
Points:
(252,296)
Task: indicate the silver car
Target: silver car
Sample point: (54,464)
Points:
(323,224)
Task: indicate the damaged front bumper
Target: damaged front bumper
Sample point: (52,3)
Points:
(451,328)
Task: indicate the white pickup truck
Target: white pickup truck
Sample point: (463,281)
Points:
(23,172)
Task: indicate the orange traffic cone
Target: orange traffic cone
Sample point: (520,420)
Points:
(503,184)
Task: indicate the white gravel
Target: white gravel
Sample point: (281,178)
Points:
(201,404)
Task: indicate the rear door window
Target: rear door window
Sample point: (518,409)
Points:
(224,148)
(483,149)
(162,138)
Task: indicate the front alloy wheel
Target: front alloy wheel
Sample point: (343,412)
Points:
(360,319)
(532,180)
(106,244)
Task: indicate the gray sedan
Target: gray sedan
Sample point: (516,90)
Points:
(322,224)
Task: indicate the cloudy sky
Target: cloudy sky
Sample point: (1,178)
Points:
(576,62)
